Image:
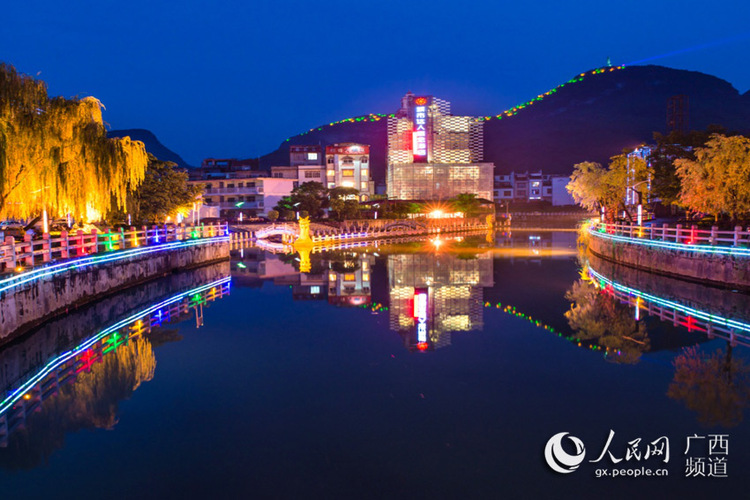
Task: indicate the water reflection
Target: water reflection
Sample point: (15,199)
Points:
(434,294)
(714,385)
(80,387)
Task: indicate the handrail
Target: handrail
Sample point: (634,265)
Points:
(689,236)
(30,253)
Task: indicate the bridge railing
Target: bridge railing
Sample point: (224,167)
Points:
(739,237)
(31,252)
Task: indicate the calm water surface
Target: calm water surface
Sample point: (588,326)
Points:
(323,384)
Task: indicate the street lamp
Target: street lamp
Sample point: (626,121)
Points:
(640,200)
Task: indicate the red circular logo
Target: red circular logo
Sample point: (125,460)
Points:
(420,100)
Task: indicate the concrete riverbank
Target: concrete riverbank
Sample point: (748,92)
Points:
(29,300)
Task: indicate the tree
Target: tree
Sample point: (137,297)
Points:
(344,202)
(468,203)
(717,181)
(55,154)
(163,193)
(594,186)
(309,196)
(273,215)
(587,184)
(665,184)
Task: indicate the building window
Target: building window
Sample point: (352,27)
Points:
(350,277)
(363,159)
(363,172)
(347,160)
(331,173)
(206,200)
(330,159)
(363,185)
(347,172)
(331,185)
(312,174)
(348,184)
(312,156)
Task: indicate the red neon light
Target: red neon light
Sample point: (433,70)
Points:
(420,101)
(422,346)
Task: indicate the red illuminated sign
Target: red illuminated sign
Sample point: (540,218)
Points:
(419,133)
(420,313)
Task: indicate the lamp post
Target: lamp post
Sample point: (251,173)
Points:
(640,200)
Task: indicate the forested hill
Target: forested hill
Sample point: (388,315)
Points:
(593,116)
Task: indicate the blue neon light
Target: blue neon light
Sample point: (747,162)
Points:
(688,311)
(82,262)
(710,249)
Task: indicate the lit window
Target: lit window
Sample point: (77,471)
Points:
(348,172)
(364,185)
(331,173)
(350,277)
(364,266)
(365,276)
(363,172)
(331,185)
(314,290)
(348,184)
(331,276)
(312,156)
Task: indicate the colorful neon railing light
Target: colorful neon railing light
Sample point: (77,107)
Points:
(714,319)
(82,262)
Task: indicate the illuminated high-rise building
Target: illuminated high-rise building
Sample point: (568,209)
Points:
(348,165)
(434,155)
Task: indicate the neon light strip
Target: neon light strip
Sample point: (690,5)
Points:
(710,249)
(43,272)
(688,311)
(18,393)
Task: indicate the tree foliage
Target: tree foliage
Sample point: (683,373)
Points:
(467,203)
(717,181)
(55,154)
(163,193)
(594,186)
(344,202)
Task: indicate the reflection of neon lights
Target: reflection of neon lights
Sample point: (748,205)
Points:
(82,348)
(712,249)
(420,313)
(43,272)
(512,311)
(687,311)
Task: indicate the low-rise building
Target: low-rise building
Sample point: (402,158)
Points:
(532,186)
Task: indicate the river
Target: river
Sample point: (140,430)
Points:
(436,368)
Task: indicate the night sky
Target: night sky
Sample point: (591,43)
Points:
(234,79)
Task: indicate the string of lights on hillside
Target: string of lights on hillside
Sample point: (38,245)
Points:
(376,117)
(511,310)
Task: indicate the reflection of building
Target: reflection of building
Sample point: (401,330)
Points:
(349,281)
(454,295)
(434,155)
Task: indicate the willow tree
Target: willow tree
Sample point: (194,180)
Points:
(55,154)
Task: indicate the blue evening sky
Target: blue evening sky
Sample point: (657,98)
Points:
(234,79)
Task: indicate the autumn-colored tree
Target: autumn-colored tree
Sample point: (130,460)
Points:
(594,186)
(55,154)
(718,180)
